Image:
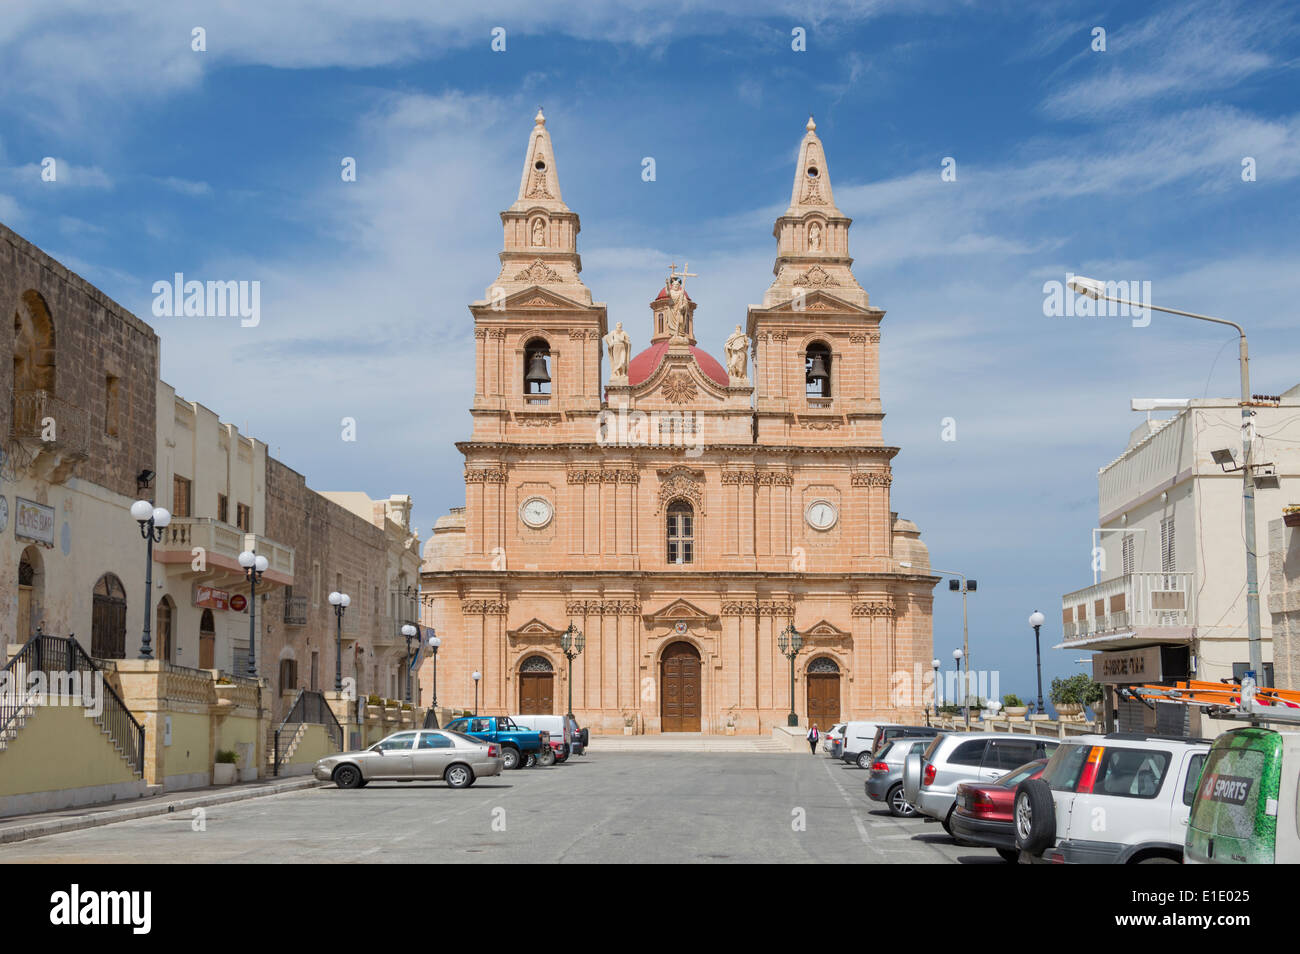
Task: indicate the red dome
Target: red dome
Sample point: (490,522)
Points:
(663,293)
(647,362)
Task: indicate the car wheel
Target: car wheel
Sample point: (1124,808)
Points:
(459,776)
(584,738)
(1009,855)
(347,776)
(1157,860)
(547,757)
(510,756)
(561,756)
(947,820)
(529,760)
(864,760)
(898,805)
(1034,816)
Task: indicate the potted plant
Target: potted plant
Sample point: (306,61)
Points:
(223,771)
(1291,515)
(730,727)
(1014,706)
(629,723)
(1069,696)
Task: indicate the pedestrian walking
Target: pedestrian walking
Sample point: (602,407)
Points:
(813,736)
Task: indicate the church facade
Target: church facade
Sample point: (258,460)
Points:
(694,520)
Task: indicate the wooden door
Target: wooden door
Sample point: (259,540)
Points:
(207,641)
(823,700)
(680,688)
(25,627)
(536,693)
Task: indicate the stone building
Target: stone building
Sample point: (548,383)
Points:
(336,549)
(682,512)
(79,372)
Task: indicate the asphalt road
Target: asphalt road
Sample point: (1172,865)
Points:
(602,808)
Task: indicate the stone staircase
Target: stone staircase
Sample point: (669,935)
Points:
(290,743)
(686,742)
(28,708)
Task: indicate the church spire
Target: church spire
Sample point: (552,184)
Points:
(539,186)
(812,250)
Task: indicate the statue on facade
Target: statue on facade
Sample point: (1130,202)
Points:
(815,237)
(737,349)
(619,346)
(539,233)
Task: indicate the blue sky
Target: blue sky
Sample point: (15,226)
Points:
(1123,163)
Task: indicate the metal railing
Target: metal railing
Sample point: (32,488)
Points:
(1134,599)
(58,658)
(39,415)
(309,708)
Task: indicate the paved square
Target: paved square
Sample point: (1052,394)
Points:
(608,808)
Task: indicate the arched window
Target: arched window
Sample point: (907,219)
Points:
(817,370)
(108,619)
(537,368)
(681,533)
(31,592)
(207,641)
(33,363)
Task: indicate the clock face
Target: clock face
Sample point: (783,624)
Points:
(536,512)
(821,515)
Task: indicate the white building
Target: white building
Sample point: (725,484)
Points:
(1169,597)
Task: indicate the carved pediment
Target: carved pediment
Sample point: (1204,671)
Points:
(681,481)
(535,631)
(679,610)
(824,632)
(817,299)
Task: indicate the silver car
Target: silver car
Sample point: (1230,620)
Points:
(405,756)
(930,779)
(886,781)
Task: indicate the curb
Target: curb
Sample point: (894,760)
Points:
(159,807)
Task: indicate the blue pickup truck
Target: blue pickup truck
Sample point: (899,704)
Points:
(519,746)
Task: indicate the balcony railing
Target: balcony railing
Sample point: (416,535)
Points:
(40,417)
(217,536)
(1129,602)
(295,611)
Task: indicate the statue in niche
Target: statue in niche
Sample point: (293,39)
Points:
(737,348)
(619,346)
(539,233)
(815,237)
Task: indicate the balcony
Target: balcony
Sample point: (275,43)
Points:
(222,543)
(52,432)
(1137,607)
(295,611)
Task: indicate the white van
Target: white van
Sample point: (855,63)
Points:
(858,739)
(559,727)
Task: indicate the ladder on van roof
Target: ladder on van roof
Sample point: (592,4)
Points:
(1244,701)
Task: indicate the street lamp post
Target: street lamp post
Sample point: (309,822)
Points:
(1092,288)
(938,685)
(790,642)
(254,566)
(1036,620)
(476,677)
(340,602)
(966,586)
(434,643)
(572,644)
(409,633)
(153,521)
(957,656)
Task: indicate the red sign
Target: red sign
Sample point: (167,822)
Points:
(238,603)
(209,597)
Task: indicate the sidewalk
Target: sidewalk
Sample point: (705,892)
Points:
(23,827)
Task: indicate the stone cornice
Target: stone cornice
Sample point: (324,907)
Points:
(729,450)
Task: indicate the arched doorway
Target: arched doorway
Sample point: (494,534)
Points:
(207,641)
(163,623)
(31,592)
(679,684)
(108,619)
(536,686)
(823,692)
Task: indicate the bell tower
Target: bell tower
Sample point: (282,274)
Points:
(537,330)
(816,335)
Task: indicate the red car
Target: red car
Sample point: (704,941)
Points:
(983,814)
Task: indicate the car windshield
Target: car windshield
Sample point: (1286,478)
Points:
(1016,776)
(1063,768)
(885,750)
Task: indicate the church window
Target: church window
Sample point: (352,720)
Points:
(817,370)
(681,533)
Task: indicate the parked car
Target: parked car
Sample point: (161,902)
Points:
(930,780)
(578,738)
(834,739)
(859,741)
(559,727)
(984,812)
(1122,798)
(886,781)
(1245,807)
(516,743)
(406,756)
(887,733)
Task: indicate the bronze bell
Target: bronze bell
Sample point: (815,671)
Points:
(537,374)
(817,373)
